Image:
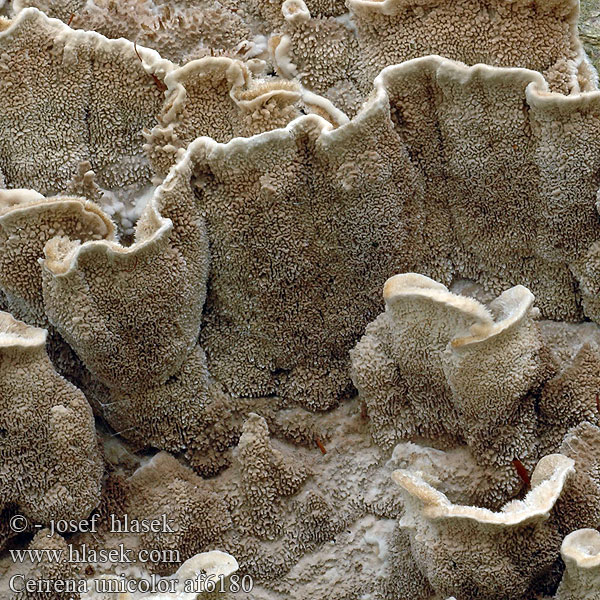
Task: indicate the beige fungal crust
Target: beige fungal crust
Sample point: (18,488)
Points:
(484,122)
(179,31)
(581,552)
(425,364)
(58,475)
(320,52)
(266,475)
(506,361)
(189,413)
(446,132)
(132,314)
(279,277)
(55,571)
(199,516)
(79,97)
(570,397)
(27,222)
(217,97)
(475,553)
(339,57)
(222,321)
(579,506)
(540,35)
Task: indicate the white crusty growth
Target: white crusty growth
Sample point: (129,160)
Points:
(214,567)
(211,567)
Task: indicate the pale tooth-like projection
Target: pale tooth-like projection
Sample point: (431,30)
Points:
(266,476)
(51,467)
(474,553)
(581,552)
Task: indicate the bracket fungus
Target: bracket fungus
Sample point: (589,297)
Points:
(51,465)
(205,241)
(132,314)
(427,367)
(541,36)
(83,98)
(472,552)
(425,364)
(27,222)
(581,552)
(218,97)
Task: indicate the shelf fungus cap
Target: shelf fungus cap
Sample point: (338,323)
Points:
(18,336)
(59,477)
(547,480)
(295,11)
(28,221)
(477,553)
(409,287)
(581,552)
(510,308)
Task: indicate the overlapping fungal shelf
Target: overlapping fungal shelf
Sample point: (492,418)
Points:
(319,280)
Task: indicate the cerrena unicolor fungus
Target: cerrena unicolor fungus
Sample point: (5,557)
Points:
(200,380)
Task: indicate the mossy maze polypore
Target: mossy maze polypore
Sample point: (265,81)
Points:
(198,214)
